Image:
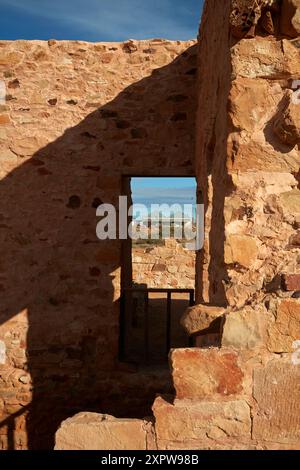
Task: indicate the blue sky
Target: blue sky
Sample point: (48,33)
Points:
(99,20)
(163,190)
(110,20)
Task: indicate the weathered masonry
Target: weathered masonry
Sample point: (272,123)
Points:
(77,118)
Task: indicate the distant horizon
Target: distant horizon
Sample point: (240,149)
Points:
(148,191)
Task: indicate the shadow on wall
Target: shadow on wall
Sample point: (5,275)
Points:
(149,329)
(214,179)
(59,304)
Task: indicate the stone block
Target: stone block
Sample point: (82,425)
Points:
(291,282)
(261,58)
(290,201)
(92,431)
(201,425)
(245,96)
(240,249)
(4,119)
(244,329)
(286,329)
(200,317)
(277,392)
(159,267)
(294,242)
(204,374)
(287,126)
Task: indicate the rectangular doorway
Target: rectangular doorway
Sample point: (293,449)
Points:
(158,268)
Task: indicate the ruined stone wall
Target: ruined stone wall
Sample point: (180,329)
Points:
(248,160)
(167,266)
(77,117)
(245,393)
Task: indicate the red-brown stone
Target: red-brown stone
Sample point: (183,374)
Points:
(291,282)
(206,373)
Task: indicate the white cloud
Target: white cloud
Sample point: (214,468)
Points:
(118,18)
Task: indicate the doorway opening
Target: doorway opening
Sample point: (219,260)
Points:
(158,268)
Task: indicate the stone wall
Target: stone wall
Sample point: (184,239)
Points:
(77,117)
(248,160)
(167,266)
(245,393)
(59,296)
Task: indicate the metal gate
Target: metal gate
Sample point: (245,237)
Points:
(136,320)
